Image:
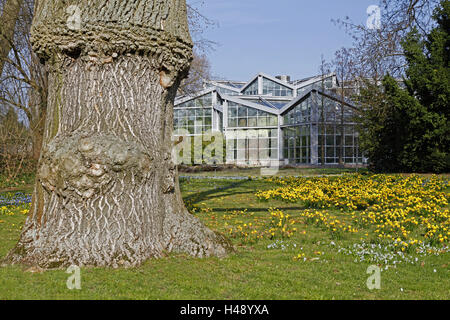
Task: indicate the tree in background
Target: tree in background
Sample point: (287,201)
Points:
(14,144)
(199,73)
(23,82)
(200,70)
(345,73)
(408,129)
(324,70)
(377,51)
(8,21)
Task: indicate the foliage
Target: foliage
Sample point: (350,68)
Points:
(408,129)
(15,145)
(377,50)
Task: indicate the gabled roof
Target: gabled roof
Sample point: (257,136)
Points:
(278,107)
(222,85)
(265,75)
(297,82)
(229,83)
(249,82)
(312,80)
(198,94)
(294,102)
(250,104)
(278,104)
(325,93)
(286,84)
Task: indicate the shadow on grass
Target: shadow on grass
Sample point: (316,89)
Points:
(213,193)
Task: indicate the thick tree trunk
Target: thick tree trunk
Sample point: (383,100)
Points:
(107,189)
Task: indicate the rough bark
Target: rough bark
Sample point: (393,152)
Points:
(37,109)
(10,15)
(107,189)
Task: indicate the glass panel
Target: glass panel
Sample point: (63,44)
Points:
(275,89)
(252,89)
(297,144)
(299,114)
(252,122)
(253,144)
(242,122)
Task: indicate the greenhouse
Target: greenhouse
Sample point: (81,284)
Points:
(274,121)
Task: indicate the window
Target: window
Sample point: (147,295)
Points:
(327,84)
(200,102)
(193,119)
(301,113)
(243,117)
(252,89)
(297,144)
(252,145)
(316,85)
(227,91)
(275,89)
(330,140)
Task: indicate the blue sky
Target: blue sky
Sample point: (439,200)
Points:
(276,36)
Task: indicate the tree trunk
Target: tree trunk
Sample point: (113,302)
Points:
(38,96)
(342,144)
(107,189)
(37,132)
(10,15)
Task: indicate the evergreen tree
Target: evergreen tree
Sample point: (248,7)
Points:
(408,129)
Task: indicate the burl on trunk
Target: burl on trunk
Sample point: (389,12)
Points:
(107,191)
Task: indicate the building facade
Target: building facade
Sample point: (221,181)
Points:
(270,121)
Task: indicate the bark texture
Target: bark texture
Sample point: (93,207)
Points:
(107,189)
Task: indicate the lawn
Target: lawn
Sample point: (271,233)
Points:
(295,238)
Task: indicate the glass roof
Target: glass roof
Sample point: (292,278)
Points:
(270,104)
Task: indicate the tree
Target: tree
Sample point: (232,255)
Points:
(344,68)
(107,190)
(199,73)
(324,70)
(14,143)
(9,18)
(23,82)
(377,51)
(408,129)
(200,70)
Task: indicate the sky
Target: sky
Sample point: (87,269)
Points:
(276,36)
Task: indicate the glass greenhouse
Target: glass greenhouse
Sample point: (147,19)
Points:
(274,121)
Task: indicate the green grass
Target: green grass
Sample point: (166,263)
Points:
(22,182)
(253,272)
(256,172)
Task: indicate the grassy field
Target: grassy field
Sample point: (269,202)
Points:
(256,172)
(287,247)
